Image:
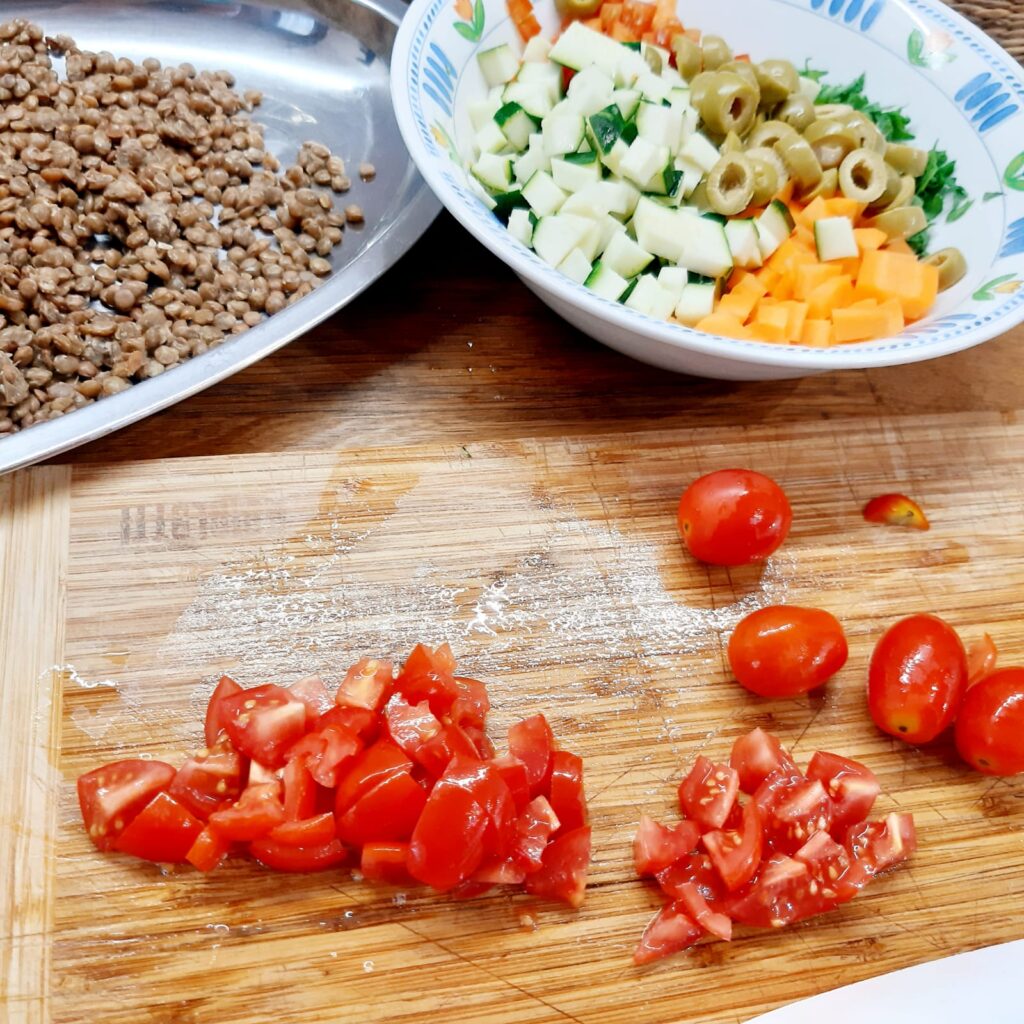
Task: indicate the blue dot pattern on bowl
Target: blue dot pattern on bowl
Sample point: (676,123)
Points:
(992,97)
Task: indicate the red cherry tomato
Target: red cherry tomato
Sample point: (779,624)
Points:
(784,651)
(734,517)
(110,797)
(990,728)
(917,679)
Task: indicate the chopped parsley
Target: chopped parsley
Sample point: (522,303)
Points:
(937,187)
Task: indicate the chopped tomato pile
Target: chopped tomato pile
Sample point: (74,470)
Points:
(799,846)
(394,775)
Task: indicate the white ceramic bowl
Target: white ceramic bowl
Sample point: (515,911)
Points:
(961,90)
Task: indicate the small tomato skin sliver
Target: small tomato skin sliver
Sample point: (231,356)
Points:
(734,517)
(981,659)
(896,510)
(917,679)
(784,651)
(990,726)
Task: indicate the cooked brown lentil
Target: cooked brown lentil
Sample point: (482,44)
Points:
(142,221)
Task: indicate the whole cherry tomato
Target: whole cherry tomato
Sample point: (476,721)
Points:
(784,651)
(734,517)
(990,726)
(917,679)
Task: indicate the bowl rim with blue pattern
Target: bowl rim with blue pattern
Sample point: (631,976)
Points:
(961,89)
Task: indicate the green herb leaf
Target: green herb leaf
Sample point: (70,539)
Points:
(892,122)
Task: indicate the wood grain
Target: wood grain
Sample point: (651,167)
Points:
(554,569)
(33,557)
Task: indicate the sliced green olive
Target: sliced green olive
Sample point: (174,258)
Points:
(798,112)
(654,61)
(769,133)
(864,130)
(769,175)
(827,188)
(730,185)
(716,52)
(837,110)
(952,267)
(745,70)
(862,176)
(778,80)
(699,86)
(732,143)
(699,196)
(907,159)
(901,223)
(729,104)
(689,59)
(907,191)
(799,158)
(831,142)
(893,185)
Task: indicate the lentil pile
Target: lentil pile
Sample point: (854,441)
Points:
(142,221)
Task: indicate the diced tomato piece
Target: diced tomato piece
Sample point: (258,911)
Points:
(657,846)
(471,705)
(447,844)
(162,831)
(851,787)
(513,771)
(736,855)
(365,724)
(698,908)
(707,794)
(452,741)
(388,811)
(328,753)
(215,717)
(299,790)
(313,693)
(880,845)
(670,931)
(369,769)
(567,796)
(264,722)
(499,872)
(429,675)
(637,14)
(532,741)
(796,813)
(534,828)
(778,895)
(478,737)
(485,783)
(695,869)
(282,857)
(411,726)
(386,862)
(258,810)
(110,797)
(755,756)
(366,684)
(308,832)
(564,866)
(567,77)
(829,866)
(208,851)
(208,779)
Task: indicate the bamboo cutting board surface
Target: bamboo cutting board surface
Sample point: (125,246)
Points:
(554,570)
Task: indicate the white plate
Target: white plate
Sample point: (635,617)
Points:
(958,86)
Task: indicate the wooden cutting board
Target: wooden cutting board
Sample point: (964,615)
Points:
(554,570)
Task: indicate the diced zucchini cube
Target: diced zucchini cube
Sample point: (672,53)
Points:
(544,196)
(625,256)
(520,226)
(697,302)
(835,239)
(605,282)
(575,266)
(499,64)
(700,150)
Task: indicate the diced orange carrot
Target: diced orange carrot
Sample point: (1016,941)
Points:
(593,23)
(892,310)
(885,274)
(769,277)
(849,266)
(737,275)
(742,299)
(637,14)
(725,325)
(862,324)
(791,254)
(900,246)
(804,235)
(817,333)
(840,206)
(609,15)
(869,238)
(771,323)
(835,293)
(810,275)
(521,12)
(863,303)
(813,211)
